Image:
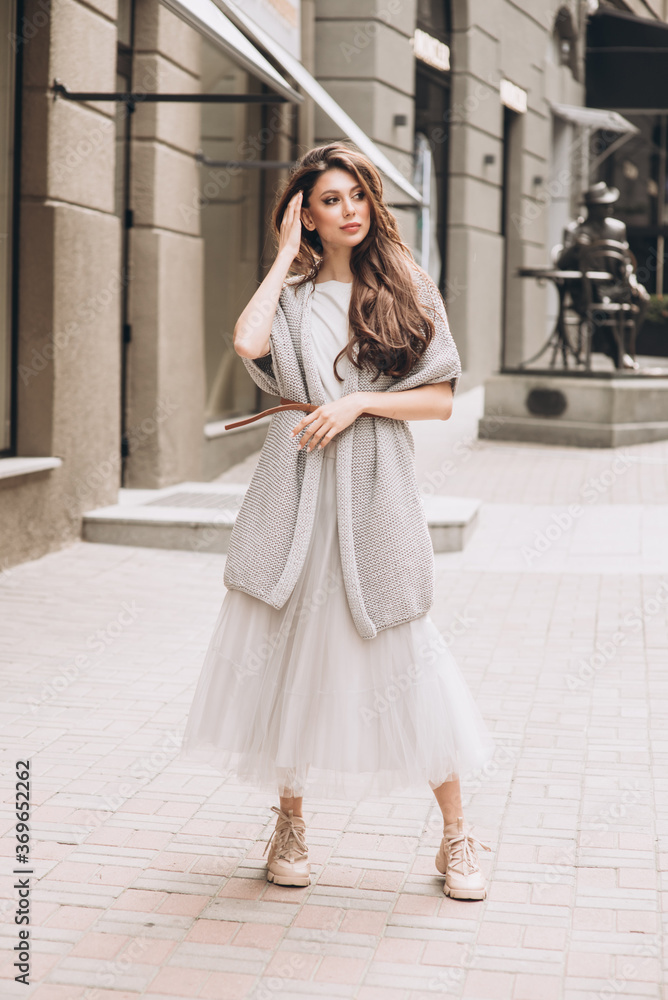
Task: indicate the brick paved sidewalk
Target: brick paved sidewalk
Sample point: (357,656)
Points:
(149,874)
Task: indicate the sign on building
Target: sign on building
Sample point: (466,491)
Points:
(513,96)
(431,50)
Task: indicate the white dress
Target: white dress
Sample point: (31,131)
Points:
(294,700)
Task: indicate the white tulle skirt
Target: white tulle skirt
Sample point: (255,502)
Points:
(295,701)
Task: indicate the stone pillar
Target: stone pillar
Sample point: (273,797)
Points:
(165,362)
(69,279)
(490,42)
(475,249)
(306,110)
(363,58)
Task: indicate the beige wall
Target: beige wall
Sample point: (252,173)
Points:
(230,208)
(68,350)
(236,206)
(165,360)
(190,273)
(8,15)
(363,59)
(70,275)
(495,39)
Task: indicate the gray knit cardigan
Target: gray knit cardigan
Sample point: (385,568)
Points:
(386,550)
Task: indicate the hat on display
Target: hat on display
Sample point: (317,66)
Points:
(601,194)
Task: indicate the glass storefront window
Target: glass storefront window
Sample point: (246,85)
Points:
(432,117)
(638,170)
(7,93)
(632,171)
(433,16)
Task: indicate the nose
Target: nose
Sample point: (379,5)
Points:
(348,207)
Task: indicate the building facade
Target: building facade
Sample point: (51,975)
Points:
(135,231)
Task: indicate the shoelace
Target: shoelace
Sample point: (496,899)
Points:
(462,852)
(290,840)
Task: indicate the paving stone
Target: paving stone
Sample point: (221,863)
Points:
(157,868)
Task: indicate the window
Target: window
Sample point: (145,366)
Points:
(564,41)
(638,170)
(432,117)
(7,210)
(433,16)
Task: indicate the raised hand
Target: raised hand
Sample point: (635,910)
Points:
(290,234)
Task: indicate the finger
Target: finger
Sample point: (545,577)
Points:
(298,428)
(309,431)
(308,418)
(302,423)
(306,437)
(288,214)
(319,436)
(317,441)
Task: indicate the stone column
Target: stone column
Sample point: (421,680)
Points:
(363,58)
(165,362)
(306,111)
(69,279)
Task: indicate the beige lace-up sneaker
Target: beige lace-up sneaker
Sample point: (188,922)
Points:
(458,861)
(288,862)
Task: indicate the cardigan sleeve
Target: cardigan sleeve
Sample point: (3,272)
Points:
(272,371)
(445,343)
(262,371)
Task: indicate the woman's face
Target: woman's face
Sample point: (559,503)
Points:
(338,209)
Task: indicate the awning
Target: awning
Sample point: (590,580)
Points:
(626,61)
(327,104)
(593,118)
(205,17)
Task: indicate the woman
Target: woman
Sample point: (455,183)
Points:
(325,672)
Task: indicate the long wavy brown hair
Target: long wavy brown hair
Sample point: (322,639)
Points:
(386,318)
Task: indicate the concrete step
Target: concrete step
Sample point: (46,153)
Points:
(602,410)
(199,517)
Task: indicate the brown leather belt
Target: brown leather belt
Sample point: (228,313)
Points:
(286,404)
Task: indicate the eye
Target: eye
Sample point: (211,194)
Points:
(360,195)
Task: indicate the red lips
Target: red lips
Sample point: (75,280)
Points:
(351,226)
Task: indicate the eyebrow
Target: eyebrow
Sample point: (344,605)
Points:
(336,191)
